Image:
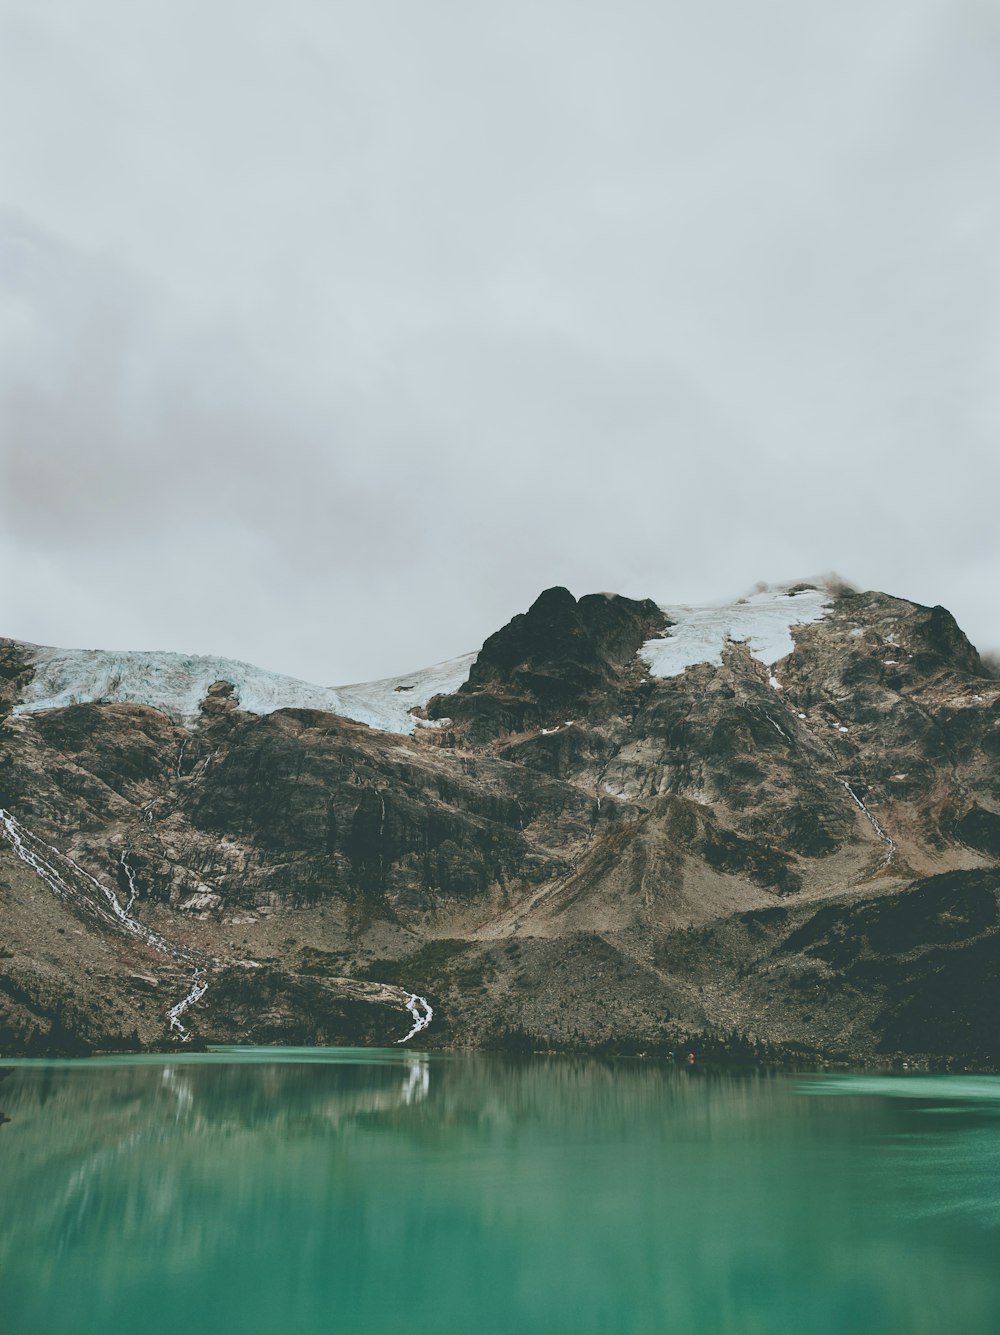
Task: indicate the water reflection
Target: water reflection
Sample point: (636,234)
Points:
(378,1193)
(417,1080)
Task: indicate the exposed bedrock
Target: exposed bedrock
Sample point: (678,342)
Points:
(572,852)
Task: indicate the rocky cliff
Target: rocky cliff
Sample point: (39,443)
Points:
(768,826)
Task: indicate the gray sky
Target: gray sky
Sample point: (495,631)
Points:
(331,333)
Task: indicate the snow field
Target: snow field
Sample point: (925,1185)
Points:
(763,622)
(178,683)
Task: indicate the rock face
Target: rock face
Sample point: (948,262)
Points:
(561,655)
(568,851)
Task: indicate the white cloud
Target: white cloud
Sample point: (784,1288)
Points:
(329,338)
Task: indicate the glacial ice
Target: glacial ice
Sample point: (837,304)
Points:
(178,683)
(763,621)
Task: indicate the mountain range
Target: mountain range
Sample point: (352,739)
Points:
(767,827)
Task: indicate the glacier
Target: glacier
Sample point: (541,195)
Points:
(763,621)
(177,683)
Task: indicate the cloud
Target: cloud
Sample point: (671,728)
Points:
(328,342)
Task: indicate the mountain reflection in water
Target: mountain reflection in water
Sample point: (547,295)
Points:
(375,1191)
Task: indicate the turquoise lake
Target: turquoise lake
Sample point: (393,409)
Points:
(302,1191)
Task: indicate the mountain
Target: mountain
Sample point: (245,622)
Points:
(771,825)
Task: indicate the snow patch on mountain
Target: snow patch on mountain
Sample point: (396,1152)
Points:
(763,621)
(178,683)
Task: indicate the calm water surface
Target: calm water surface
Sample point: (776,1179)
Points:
(360,1191)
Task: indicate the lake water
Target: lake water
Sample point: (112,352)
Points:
(369,1191)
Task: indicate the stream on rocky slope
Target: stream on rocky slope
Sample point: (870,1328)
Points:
(387,1191)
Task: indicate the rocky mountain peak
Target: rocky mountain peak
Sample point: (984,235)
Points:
(943,636)
(619,825)
(561,653)
(560,636)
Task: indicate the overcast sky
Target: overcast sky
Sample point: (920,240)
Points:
(332,332)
